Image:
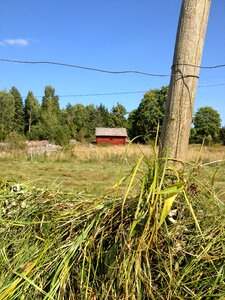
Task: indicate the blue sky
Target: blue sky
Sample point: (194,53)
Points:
(106,34)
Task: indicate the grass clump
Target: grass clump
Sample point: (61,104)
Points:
(165,241)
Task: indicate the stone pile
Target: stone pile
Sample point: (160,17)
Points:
(41,147)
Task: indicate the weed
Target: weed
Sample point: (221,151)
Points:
(62,245)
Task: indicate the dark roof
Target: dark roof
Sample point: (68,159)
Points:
(100,131)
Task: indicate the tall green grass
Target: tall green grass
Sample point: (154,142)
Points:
(57,245)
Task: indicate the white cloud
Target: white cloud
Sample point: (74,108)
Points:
(15,42)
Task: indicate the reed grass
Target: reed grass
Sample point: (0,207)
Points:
(58,245)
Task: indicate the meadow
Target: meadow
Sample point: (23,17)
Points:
(112,223)
(95,169)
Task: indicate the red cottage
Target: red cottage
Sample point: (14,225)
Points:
(114,136)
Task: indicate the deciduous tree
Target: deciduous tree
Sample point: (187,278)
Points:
(144,121)
(222,135)
(31,112)
(50,114)
(207,124)
(117,116)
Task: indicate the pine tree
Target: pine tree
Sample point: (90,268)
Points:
(7,114)
(19,111)
(104,116)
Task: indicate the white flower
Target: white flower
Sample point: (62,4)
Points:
(23,204)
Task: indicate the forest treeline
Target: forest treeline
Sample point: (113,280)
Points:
(32,120)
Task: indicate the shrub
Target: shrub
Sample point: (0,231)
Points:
(222,135)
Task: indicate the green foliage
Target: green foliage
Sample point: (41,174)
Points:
(16,140)
(222,135)
(35,133)
(77,120)
(207,123)
(68,116)
(47,121)
(50,102)
(144,121)
(82,120)
(51,125)
(7,114)
(19,110)
(62,135)
(98,116)
(117,116)
(104,116)
(32,113)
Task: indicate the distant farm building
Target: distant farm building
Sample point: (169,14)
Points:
(114,136)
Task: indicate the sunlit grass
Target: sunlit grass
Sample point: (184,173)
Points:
(205,154)
(66,245)
(95,169)
(93,153)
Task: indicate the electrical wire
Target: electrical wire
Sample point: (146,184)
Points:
(201,67)
(121,93)
(107,71)
(96,94)
(104,94)
(211,85)
(113,72)
(83,67)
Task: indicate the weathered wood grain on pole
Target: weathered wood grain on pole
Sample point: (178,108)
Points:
(184,78)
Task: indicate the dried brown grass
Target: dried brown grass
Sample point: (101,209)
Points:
(110,153)
(89,153)
(205,154)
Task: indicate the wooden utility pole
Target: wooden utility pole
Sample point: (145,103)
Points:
(184,78)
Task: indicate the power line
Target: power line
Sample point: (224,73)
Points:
(108,71)
(201,67)
(82,67)
(113,72)
(121,93)
(104,94)
(211,85)
(96,94)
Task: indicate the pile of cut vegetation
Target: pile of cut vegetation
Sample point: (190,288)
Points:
(167,242)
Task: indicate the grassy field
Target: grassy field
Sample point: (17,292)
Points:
(93,170)
(97,169)
(160,237)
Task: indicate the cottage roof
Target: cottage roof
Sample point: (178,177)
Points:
(101,131)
